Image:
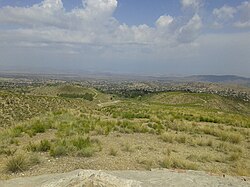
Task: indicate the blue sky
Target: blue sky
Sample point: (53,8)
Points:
(133,12)
(156,37)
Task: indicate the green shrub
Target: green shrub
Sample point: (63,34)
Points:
(58,150)
(166,137)
(228,147)
(146,163)
(234,156)
(209,130)
(17,164)
(86,152)
(37,127)
(209,143)
(78,146)
(81,143)
(32,147)
(170,162)
(84,146)
(16,131)
(2,149)
(113,152)
(202,142)
(44,146)
(7,151)
(34,159)
(209,119)
(99,130)
(230,137)
(181,138)
(200,158)
(14,141)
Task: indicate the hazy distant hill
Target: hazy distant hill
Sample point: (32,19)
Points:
(231,79)
(219,78)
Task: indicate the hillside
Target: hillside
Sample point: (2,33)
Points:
(51,128)
(220,78)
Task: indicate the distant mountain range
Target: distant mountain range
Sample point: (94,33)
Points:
(218,78)
(230,79)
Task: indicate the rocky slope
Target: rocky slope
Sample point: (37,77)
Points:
(90,178)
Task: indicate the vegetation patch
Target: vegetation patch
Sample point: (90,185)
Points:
(175,163)
(21,162)
(86,96)
(178,130)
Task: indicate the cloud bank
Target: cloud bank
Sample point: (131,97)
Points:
(238,17)
(93,23)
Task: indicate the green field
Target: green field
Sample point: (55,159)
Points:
(62,127)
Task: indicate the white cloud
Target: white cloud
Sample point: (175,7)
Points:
(52,4)
(225,12)
(52,13)
(244,11)
(140,35)
(104,5)
(243,25)
(88,23)
(238,16)
(191,30)
(195,4)
(164,21)
(92,24)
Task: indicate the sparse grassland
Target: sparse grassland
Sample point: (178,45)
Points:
(174,130)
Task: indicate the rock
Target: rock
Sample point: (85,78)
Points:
(90,179)
(78,178)
(159,178)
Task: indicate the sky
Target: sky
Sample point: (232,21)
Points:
(145,37)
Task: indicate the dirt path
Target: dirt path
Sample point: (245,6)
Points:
(95,93)
(100,104)
(159,178)
(108,103)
